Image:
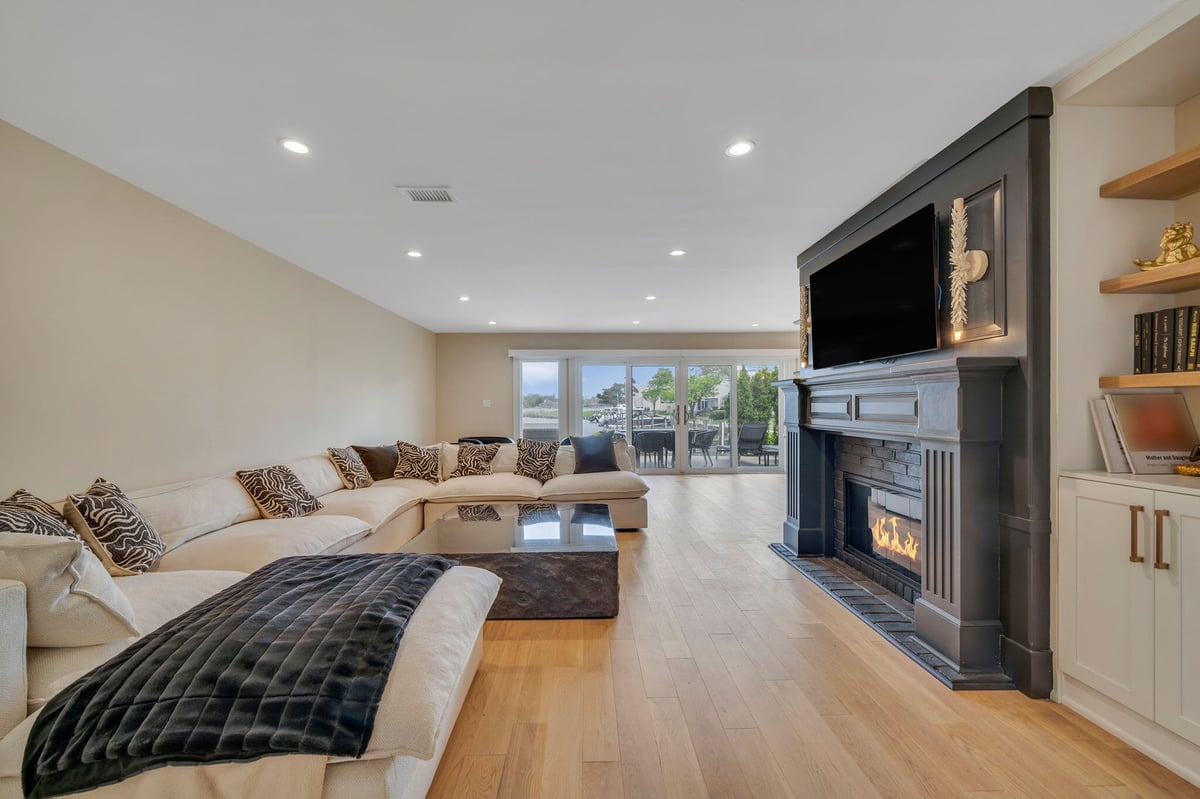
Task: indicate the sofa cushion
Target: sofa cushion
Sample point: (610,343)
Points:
(380,461)
(115,529)
(25,513)
(594,453)
(418,463)
(350,468)
(250,545)
(278,492)
(71,600)
(375,505)
(156,598)
(474,460)
(594,486)
(536,459)
(185,511)
(317,473)
(486,488)
(430,661)
(419,487)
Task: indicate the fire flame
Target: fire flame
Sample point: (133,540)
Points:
(890,540)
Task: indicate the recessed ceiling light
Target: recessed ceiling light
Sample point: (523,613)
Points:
(294,146)
(464,298)
(651,297)
(414,253)
(677,253)
(491,323)
(754,325)
(636,322)
(739,148)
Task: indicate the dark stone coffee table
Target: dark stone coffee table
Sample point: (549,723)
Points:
(557,561)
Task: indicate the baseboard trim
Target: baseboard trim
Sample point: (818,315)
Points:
(1157,743)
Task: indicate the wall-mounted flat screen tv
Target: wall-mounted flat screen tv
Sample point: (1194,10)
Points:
(879,300)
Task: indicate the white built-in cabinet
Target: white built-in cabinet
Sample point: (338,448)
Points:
(1129,595)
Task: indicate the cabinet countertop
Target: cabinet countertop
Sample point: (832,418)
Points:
(1175,483)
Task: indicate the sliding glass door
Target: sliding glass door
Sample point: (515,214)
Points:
(653,415)
(682,416)
(708,413)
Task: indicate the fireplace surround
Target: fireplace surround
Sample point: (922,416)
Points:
(946,414)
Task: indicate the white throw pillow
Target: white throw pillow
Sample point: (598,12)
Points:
(71,598)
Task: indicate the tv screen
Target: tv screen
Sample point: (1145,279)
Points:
(879,300)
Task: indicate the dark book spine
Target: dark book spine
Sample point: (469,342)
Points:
(1147,342)
(1164,334)
(1179,351)
(1193,336)
(1137,344)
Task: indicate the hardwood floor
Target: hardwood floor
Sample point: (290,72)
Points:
(728,674)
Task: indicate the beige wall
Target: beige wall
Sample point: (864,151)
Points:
(146,345)
(473,367)
(1187,134)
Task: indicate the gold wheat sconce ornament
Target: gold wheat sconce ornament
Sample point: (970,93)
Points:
(967,266)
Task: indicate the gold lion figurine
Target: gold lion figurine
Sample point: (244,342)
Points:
(1176,247)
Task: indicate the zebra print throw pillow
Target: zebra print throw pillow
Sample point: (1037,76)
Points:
(536,459)
(350,468)
(419,463)
(278,492)
(25,513)
(474,459)
(115,530)
(478,513)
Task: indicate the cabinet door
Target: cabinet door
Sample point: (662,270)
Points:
(1107,602)
(1177,617)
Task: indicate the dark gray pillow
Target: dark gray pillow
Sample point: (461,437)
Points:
(594,454)
(380,461)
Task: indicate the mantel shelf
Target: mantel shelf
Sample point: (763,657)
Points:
(1163,280)
(1155,380)
(1171,178)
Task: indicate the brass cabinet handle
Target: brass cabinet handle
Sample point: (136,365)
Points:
(1159,515)
(1134,557)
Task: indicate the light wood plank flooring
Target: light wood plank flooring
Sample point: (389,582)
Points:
(728,674)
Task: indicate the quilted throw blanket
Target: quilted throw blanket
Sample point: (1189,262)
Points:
(291,660)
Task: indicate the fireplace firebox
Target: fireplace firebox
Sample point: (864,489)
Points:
(883,536)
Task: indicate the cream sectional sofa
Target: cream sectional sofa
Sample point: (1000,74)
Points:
(215,535)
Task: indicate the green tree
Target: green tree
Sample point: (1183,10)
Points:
(660,388)
(703,384)
(538,400)
(613,395)
(758,400)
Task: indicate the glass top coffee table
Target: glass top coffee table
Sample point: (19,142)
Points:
(557,561)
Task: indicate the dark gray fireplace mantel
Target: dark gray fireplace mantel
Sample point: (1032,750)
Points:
(954,408)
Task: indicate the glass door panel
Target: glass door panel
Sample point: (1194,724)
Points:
(652,412)
(541,400)
(603,399)
(757,403)
(708,411)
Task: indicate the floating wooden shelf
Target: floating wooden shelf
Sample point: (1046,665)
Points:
(1164,280)
(1156,380)
(1169,179)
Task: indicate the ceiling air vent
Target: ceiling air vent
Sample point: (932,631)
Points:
(428,194)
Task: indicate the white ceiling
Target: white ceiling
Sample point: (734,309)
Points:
(583,140)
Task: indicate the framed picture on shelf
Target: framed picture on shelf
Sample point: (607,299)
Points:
(1155,429)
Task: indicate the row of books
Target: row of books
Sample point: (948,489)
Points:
(1143,433)
(1166,340)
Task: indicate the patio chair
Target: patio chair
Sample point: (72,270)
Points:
(751,438)
(702,442)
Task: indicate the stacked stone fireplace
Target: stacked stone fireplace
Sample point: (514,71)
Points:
(877,511)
